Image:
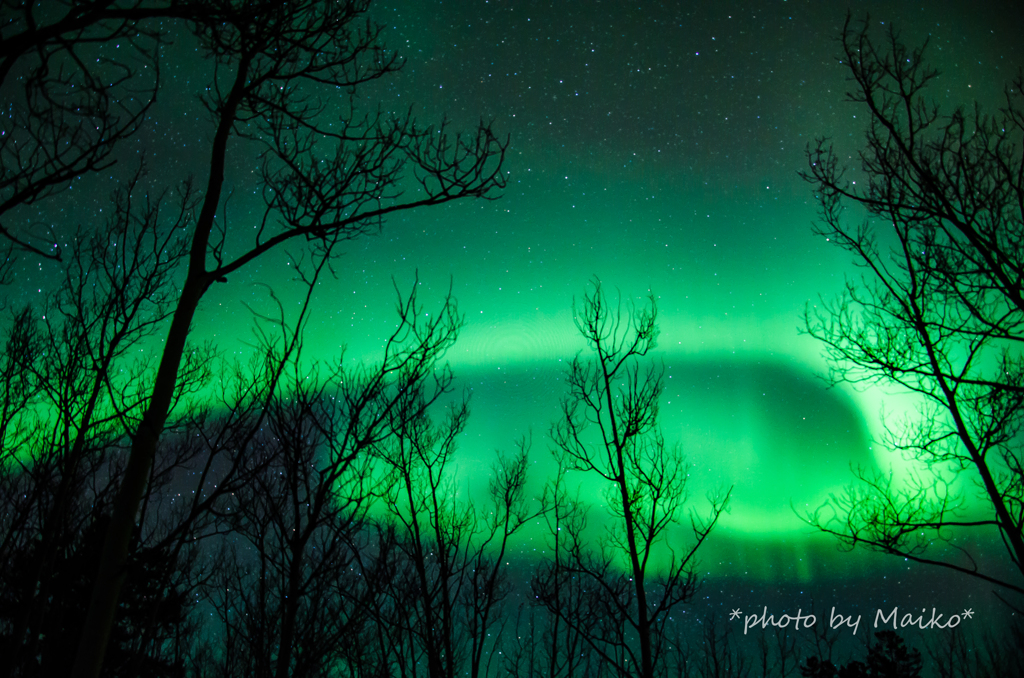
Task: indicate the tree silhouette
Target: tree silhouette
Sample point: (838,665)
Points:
(298,588)
(285,83)
(73,387)
(557,646)
(714,653)
(776,653)
(78,78)
(608,429)
(454,575)
(150,636)
(938,309)
(959,653)
(889,657)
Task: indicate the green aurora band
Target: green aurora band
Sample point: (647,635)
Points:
(657,150)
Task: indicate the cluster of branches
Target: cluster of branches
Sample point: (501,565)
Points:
(70,100)
(937,311)
(303,521)
(286,77)
(278,474)
(313,510)
(257,505)
(617,601)
(346,551)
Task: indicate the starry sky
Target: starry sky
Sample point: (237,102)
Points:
(654,145)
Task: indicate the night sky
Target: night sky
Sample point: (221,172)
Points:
(654,145)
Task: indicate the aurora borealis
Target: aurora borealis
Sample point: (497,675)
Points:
(657,148)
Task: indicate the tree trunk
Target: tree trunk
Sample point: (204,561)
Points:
(99,620)
(111,572)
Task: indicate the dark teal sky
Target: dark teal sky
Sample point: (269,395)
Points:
(654,145)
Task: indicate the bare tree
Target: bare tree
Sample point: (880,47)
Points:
(70,99)
(776,653)
(453,553)
(889,656)
(959,653)
(713,653)
(937,311)
(609,431)
(489,582)
(297,591)
(285,81)
(74,389)
(295,530)
(556,646)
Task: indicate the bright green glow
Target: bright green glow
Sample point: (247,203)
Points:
(679,179)
(766,428)
(741,395)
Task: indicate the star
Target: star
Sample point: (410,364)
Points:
(968,613)
(735,613)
